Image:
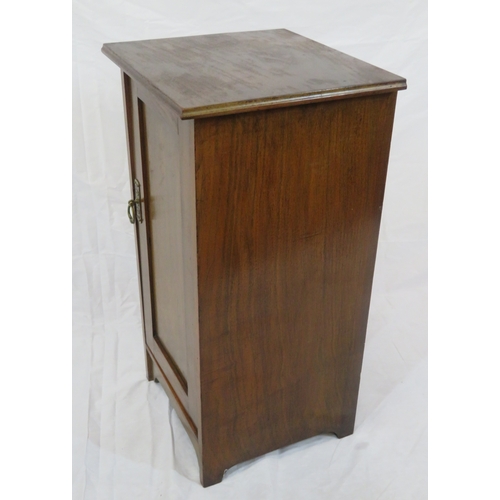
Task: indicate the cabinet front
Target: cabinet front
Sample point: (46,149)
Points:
(163,211)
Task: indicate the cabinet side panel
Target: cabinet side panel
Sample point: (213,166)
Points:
(288,212)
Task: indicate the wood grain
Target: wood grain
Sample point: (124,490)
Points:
(261,220)
(128,105)
(162,159)
(165,239)
(226,73)
(288,209)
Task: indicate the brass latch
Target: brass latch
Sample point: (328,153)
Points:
(134,206)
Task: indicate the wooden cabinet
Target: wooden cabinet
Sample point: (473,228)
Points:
(257,165)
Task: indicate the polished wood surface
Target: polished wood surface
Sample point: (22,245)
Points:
(132,133)
(258,244)
(161,150)
(165,239)
(233,72)
(288,209)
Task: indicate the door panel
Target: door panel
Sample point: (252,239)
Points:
(164,244)
(162,185)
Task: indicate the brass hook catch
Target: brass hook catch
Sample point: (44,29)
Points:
(131,211)
(134,206)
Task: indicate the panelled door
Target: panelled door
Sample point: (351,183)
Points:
(163,211)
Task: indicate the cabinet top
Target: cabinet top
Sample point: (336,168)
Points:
(211,75)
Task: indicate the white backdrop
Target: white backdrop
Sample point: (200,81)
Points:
(128,443)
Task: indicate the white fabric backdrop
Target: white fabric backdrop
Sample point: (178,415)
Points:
(128,443)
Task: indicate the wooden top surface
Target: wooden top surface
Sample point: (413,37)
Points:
(227,73)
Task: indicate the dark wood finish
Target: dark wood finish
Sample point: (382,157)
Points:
(211,75)
(258,244)
(131,132)
(165,239)
(161,151)
(288,209)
